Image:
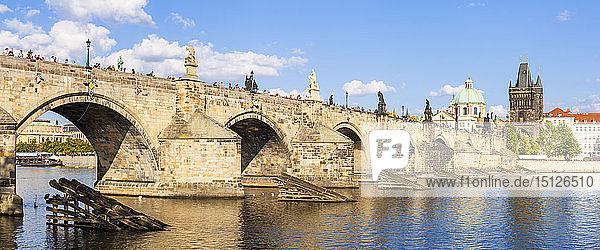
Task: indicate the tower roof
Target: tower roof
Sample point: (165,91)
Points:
(538,82)
(524,76)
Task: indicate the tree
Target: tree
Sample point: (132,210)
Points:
(528,146)
(69,146)
(512,139)
(520,144)
(558,141)
(30,146)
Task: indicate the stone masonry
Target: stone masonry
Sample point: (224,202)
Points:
(183,138)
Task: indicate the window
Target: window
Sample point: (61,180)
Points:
(475,110)
(465,111)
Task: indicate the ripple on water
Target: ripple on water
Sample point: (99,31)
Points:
(262,222)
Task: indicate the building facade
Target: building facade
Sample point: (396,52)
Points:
(467,107)
(585,127)
(526,98)
(45,130)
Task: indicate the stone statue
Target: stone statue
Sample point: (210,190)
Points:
(331,99)
(190,59)
(120,64)
(312,79)
(250,83)
(428,113)
(381,105)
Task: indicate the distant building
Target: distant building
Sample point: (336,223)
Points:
(526,98)
(585,127)
(444,119)
(73,132)
(467,107)
(45,130)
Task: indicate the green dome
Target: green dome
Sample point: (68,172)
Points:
(468,94)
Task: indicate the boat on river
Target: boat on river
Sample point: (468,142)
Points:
(37,159)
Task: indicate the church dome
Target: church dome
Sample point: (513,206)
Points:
(468,94)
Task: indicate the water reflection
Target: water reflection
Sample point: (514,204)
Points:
(11,227)
(260,221)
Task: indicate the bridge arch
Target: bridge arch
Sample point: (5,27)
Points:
(265,148)
(361,150)
(441,139)
(121,143)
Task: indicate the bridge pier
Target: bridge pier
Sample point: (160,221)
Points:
(10,202)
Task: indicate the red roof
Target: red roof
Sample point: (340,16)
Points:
(579,117)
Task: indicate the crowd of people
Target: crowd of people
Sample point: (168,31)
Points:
(30,55)
(235,86)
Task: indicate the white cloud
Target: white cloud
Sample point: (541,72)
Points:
(297,51)
(293,93)
(119,11)
(66,39)
(22,28)
(403,85)
(474,4)
(587,104)
(447,90)
(598,80)
(151,54)
(356,87)
(498,110)
(186,22)
(564,15)
(4,8)
(233,65)
(32,12)
(166,58)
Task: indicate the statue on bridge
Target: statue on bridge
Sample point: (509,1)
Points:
(120,64)
(428,113)
(190,59)
(312,79)
(331,100)
(313,87)
(250,83)
(381,105)
(191,64)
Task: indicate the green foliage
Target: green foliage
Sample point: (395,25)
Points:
(30,146)
(520,144)
(512,139)
(528,146)
(69,146)
(558,141)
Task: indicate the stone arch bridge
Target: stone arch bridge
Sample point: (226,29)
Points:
(181,138)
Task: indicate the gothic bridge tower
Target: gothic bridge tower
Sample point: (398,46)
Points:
(526,98)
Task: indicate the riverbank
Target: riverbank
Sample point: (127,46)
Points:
(78,161)
(552,166)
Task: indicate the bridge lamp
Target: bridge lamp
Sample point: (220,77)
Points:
(87,63)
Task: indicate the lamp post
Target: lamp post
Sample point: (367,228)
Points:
(346,99)
(87,63)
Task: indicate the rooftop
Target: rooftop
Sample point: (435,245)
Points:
(468,94)
(579,117)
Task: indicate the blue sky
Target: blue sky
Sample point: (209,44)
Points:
(408,49)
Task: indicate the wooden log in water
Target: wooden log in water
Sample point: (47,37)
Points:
(114,205)
(292,188)
(99,212)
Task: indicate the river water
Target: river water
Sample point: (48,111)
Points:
(260,221)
